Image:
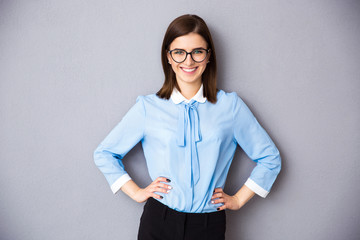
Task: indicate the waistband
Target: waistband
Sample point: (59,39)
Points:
(167,213)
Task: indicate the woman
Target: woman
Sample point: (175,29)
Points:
(189,131)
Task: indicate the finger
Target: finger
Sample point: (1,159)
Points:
(216,195)
(218,190)
(163,185)
(153,188)
(158,188)
(223,207)
(162,179)
(154,195)
(163,190)
(220,200)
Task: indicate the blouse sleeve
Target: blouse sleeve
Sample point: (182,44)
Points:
(126,134)
(258,146)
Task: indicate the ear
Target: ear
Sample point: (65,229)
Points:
(208,56)
(168,57)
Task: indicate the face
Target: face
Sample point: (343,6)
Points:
(189,71)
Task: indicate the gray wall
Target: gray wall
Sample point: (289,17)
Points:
(69,71)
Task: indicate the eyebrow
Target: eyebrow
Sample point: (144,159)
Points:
(191,50)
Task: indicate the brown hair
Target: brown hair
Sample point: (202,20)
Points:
(181,26)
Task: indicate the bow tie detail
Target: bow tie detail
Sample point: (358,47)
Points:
(189,130)
(188,120)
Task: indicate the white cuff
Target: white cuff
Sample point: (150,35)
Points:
(120,182)
(256,188)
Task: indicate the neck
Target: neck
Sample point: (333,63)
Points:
(188,90)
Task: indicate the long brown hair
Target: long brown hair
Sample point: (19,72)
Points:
(181,26)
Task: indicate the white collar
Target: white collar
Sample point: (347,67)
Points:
(177,97)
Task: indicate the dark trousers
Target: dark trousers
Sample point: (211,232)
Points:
(159,222)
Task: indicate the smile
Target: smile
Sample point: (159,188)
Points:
(189,70)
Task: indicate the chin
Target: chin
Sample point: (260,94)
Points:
(194,80)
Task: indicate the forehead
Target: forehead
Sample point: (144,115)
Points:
(189,42)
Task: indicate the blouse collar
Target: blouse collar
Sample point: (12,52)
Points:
(177,97)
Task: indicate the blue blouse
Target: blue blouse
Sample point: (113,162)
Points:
(193,144)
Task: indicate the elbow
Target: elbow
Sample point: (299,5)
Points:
(274,162)
(278,162)
(103,156)
(97,155)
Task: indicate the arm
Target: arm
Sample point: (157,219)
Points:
(110,152)
(244,195)
(258,146)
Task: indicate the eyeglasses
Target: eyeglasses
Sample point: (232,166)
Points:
(180,55)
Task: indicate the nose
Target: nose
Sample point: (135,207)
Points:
(188,60)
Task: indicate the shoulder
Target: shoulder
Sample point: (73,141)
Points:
(151,100)
(228,97)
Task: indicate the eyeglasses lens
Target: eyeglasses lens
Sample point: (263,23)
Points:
(198,55)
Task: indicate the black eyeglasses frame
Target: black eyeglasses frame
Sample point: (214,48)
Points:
(187,53)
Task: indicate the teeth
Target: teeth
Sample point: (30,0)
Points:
(189,69)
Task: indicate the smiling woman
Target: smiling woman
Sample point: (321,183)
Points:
(188,32)
(189,131)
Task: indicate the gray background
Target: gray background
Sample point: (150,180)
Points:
(70,70)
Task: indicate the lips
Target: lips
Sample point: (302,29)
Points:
(189,70)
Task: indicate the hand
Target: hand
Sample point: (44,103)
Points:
(142,194)
(230,202)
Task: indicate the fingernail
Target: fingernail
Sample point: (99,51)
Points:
(168,180)
(167,191)
(161,197)
(218,209)
(212,201)
(169,187)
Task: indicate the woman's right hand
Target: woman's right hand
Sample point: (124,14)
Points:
(142,194)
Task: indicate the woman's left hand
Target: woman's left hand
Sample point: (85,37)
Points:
(230,202)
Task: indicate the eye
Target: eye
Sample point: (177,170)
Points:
(178,52)
(198,51)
